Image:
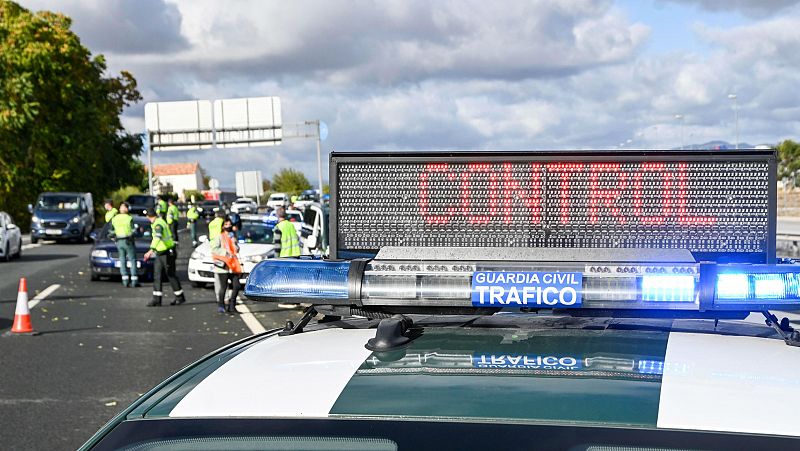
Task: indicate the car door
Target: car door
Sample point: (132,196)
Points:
(14,234)
(4,233)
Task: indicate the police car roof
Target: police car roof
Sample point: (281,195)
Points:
(635,373)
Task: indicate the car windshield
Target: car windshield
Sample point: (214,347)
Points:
(256,232)
(308,196)
(140,200)
(294,217)
(141,229)
(58,202)
(210,203)
(273,197)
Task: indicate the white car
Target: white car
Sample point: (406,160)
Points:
(255,244)
(244,205)
(10,238)
(278,200)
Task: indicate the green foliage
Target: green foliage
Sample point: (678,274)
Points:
(788,159)
(267,186)
(290,181)
(59,115)
(326,189)
(118,196)
(198,196)
(206,178)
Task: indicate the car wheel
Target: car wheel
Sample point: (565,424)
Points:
(7,255)
(198,284)
(34,240)
(94,277)
(19,250)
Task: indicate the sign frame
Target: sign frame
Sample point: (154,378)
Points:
(768,156)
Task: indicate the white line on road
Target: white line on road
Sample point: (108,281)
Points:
(250,320)
(43,294)
(25,247)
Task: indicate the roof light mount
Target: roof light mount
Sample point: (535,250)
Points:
(789,334)
(392,334)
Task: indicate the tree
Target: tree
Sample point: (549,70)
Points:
(290,181)
(326,189)
(206,178)
(788,159)
(266,185)
(59,115)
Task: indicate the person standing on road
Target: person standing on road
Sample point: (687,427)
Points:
(122,231)
(215,226)
(161,208)
(110,210)
(192,216)
(163,249)
(227,267)
(285,236)
(172,218)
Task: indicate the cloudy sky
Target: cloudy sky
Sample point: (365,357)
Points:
(537,74)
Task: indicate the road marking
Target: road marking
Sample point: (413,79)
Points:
(250,320)
(40,297)
(25,247)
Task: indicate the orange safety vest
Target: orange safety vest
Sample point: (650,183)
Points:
(231,259)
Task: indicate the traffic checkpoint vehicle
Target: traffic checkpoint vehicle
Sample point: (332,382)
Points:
(517,300)
(255,244)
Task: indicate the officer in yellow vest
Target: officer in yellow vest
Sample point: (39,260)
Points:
(191,217)
(161,208)
(122,233)
(172,218)
(163,249)
(215,226)
(110,210)
(285,236)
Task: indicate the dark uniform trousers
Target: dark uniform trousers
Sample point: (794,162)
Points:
(164,267)
(173,229)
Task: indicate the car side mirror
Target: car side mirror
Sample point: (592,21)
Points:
(30,208)
(93,235)
(11,226)
(203,238)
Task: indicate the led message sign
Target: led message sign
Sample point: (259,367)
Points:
(713,204)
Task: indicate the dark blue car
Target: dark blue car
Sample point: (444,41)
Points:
(104,260)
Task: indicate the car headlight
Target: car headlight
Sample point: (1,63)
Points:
(99,253)
(34,219)
(199,209)
(197,255)
(76,219)
(255,258)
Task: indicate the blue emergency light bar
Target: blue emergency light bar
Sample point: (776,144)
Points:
(534,285)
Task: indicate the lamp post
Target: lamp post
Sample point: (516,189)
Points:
(735,115)
(681,118)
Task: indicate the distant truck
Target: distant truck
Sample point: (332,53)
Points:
(140,204)
(62,216)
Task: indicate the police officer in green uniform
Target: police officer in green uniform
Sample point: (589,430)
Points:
(163,249)
(122,233)
(110,210)
(191,217)
(285,236)
(161,208)
(172,218)
(215,226)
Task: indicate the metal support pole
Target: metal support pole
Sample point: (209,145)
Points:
(149,162)
(319,160)
(736,113)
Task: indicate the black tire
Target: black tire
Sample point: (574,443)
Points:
(34,240)
(93,276)
(198,284)
(7,255)
(19,250)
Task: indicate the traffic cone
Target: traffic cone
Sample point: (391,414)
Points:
(22,315)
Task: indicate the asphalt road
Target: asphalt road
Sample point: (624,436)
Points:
(98,347)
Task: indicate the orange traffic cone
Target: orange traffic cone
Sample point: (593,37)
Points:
(22,315)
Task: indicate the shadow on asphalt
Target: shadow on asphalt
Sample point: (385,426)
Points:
(45,257)
(5,323)
(77,329)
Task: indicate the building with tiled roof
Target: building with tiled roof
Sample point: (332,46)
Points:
(178,178)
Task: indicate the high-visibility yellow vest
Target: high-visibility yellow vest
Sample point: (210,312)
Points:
(172,214)
(192,214)
(214,228)
(290,244)
(161,207)
(123,225)
(110,214)
(162,238)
